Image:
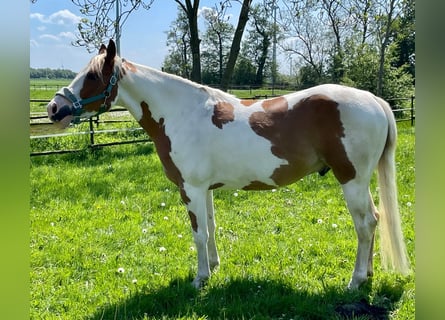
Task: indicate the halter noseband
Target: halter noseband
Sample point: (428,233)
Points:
(78,105)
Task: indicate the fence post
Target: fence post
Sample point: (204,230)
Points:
(91,132)
(412,110)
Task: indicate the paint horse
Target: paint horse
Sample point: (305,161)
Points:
(208,139)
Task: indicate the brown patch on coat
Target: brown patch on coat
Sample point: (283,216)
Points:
(193,221)
(156,131)
(308,136)
(216,186)
(129,66)
(258,185)
(248,102)
(222,114)
(275,104)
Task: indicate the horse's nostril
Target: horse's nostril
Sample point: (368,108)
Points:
(54,108)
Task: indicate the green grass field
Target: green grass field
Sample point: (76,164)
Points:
(110,239)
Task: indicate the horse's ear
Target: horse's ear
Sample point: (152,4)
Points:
(111,51)
(102,49)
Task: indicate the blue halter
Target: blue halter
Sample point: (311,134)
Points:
(78,105)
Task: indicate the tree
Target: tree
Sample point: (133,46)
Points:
(244,72)
(178,42)
(389,12)
(306,36)
(236,43)
(362,13)
(48,73)
(257,45)
(191,11)
(191,14)
(217,36)
(337,19)
(93,32)
(104,23)
(405,38)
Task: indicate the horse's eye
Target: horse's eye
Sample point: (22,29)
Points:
(92,76)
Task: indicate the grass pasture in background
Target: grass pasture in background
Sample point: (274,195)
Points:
(110,239)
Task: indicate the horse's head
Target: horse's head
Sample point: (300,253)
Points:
(92,91)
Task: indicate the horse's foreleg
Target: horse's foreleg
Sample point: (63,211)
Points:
(197,210)
(362,211)
(211,225)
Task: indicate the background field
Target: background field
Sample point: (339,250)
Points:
(110,239)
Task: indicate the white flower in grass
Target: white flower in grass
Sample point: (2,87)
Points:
(180,236)
(409,204)
(134,281)
(120,270)
(162,204)
(334,225)
(165,218)
(235,194)
(144,230)
(123,202)
(319,221)
(192,248)
(274,190)
(300,239)
(162,249)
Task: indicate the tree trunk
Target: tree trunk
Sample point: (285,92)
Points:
(236,43)
(384,45)
(262,61)
(192,15)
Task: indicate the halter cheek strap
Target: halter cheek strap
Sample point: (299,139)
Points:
(78,105)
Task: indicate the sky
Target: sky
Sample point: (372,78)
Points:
(53,25)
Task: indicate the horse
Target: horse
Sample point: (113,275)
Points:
(208,139)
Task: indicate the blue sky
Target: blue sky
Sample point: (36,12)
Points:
(53,25)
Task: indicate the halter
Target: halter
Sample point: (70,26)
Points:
(78,105)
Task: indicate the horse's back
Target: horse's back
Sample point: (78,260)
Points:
(277,141)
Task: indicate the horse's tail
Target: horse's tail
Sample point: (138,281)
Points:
(392,246)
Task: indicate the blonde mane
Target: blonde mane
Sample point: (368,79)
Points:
(97,62)
(96,65)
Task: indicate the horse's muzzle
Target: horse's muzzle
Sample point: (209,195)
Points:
(62,113)
(62,116)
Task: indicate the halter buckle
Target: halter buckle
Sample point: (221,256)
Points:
(77,105)
(113,79)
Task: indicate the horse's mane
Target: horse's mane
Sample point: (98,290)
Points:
(216,94)
(97,62)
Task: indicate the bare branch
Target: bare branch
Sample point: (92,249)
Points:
(99,22)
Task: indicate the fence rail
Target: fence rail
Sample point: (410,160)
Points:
(38,119)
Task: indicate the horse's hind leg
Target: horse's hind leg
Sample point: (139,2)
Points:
(371,251)
(211,225)
(363,213)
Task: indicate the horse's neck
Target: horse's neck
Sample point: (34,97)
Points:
(167,96)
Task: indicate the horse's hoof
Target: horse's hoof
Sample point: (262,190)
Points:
(199,282)
(355,283)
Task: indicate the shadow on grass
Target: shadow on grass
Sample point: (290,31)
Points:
(253,299)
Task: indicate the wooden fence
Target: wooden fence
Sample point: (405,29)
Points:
(39,119)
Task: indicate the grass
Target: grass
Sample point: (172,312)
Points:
(110,239)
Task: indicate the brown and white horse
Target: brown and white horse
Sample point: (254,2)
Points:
(207,139)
